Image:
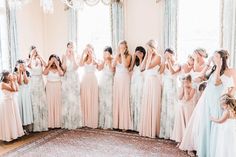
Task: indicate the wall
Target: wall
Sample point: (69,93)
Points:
(49,32)
(30,28)
(143,21)
(56,30)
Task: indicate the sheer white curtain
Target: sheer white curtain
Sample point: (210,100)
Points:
(229,29)
(170,24)
(117,20)
(4,49)
(73,25)
(12,34)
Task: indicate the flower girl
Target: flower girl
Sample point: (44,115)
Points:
(186,104)
(227,127)
(10,121)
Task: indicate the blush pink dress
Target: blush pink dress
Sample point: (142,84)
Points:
(151,104)
(89,96)
(182,115)
(10,120)
(121,103)
(54,101)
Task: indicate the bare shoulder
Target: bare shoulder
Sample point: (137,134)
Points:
(231,72)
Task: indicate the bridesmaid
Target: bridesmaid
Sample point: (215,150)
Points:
(184,110)
(227,127)
(89,88)
(169,99)
(24,100)
(121,90)
(201,134)
(71,107)
(136,85)
(151,103)
(105,90)
(37,90)
(53,90)
(10,120)
(199,62)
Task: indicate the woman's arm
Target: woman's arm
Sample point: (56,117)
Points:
(114,63)
(60,71)
(100,66)
(26,79)
(156,61)
(10,87)
(222,119)
(75,64)
(81,63)
(63,64)
(47,69)
(19,77)
(125,60)
(181,93)
(217,76)
(144,62)
(163,65)
(133,57)
(43,62)
(171,67)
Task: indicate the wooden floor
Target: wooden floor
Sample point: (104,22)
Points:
(9,146)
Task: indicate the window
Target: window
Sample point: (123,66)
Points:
(198,26)
(4,57)
(94,27)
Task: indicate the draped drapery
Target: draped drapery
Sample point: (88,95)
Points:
(229,29)
(73,26)
(117,23)
(1,61)
(12,34)
(170,24)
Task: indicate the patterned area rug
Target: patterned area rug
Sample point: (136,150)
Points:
(99,143)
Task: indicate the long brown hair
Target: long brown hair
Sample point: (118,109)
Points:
(224,55)
(124,42)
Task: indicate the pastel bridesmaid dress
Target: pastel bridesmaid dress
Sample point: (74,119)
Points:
(53,92)
(121,103)
(10,120)
(89,96)
(105,98)
(151,104)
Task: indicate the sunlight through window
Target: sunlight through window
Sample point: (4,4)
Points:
(198,26)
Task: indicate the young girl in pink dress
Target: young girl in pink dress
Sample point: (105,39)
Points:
(151,103)
(226,142)
(10,120)
(53,91)
(89,88)
(187,95)
(121,90)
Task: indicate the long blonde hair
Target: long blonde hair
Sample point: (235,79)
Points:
(230,101)
(152,44)
(124,42)
(91,47)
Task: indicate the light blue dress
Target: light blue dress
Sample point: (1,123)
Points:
(25,105)
(208,131)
